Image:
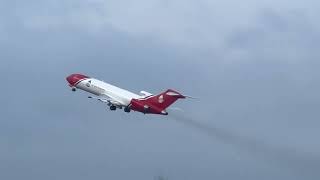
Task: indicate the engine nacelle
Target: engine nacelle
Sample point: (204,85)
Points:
(142,106)
(145,93)
(137,105)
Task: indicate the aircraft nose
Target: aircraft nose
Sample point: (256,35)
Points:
(74,79)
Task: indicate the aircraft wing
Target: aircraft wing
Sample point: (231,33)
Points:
(107,99)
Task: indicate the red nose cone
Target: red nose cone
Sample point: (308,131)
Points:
(74,79)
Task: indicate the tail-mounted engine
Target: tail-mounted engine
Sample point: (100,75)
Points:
(142,106)
(156,104)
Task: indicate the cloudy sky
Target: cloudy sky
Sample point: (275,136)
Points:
(254,65)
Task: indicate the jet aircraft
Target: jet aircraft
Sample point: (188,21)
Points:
(117,98)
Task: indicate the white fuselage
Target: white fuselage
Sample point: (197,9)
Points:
(100,88)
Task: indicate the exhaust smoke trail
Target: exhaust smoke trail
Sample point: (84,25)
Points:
(305,164)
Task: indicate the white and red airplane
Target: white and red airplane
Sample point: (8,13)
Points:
(115,97)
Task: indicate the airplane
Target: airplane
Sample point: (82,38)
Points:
(117,98)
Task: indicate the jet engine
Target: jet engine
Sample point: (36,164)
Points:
(145,93)
(137,105)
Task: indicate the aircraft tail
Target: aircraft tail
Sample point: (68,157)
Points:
(157,103)
(165,99)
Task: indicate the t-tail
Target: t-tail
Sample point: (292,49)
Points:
(156,104)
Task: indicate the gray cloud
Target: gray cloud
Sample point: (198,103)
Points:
(183,23)
(253,66)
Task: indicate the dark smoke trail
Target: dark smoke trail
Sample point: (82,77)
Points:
(303,163)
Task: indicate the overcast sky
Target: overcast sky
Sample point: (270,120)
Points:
(254,65)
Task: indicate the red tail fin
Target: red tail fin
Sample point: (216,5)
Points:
(165,99)
(158,103)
